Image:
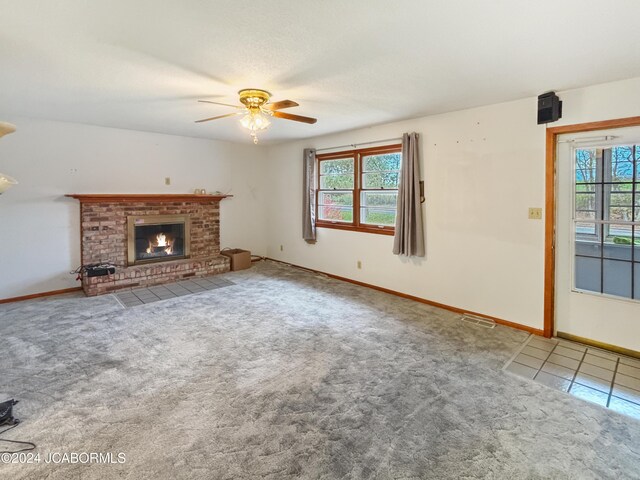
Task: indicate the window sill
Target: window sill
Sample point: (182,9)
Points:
(353,228)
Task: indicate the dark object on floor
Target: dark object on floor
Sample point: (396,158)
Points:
(7,418)
(6,413)
(240,259)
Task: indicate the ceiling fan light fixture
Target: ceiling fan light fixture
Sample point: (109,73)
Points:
(6,128)
(254,121)
(6,182)
(256,109)
(253,97)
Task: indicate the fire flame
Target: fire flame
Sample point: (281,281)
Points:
(161,241)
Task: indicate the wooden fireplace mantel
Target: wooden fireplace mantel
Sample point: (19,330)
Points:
(145,197)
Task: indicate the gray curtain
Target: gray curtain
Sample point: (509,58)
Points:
(309,196)
(409,237)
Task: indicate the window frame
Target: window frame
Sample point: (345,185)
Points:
(357,154)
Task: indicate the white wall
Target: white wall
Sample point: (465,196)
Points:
(39,227)
(483,169)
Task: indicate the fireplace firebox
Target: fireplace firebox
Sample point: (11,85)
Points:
(157,238)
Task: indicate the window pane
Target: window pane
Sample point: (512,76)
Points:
(620,214)
(588,248)
(586,230)
(378,216)
(379,199)
(376,163)
(335,213)
(637,219)
(617,243)
(617,278)
(338,198)
(621,193)
(339,182)
(583,188)
(380,180)
(588,274)
(621,164)
(334,167)
(586,165)
(585,215)
(586,201)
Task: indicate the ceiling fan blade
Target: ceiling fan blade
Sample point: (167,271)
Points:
(295,118)
(215,118)
(280,105)
(218,103)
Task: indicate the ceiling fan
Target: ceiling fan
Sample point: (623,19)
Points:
(257,109)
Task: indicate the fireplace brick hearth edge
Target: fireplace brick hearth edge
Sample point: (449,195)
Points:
(103,230)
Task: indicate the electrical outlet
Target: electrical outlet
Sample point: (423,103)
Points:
(282,248)
(167,180)
(535,214)
(359,264)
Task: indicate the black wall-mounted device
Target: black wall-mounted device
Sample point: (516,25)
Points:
(95,270)
(549,108)
(100,270)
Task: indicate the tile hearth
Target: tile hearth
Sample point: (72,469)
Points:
(141,296)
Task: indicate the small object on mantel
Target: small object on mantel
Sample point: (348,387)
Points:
(145,197)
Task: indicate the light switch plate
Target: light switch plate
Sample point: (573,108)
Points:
(535,214)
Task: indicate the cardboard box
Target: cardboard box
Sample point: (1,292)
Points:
(240,259)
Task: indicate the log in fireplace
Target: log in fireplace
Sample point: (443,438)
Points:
(158,238)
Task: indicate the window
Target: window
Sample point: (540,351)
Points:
(607,220)
(358,189)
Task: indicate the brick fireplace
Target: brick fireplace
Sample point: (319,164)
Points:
(152,239)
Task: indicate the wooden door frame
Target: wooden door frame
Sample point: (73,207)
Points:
(550,206)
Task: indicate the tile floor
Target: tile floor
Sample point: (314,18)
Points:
(599,376)
(141,296)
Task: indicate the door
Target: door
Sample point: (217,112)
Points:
(598,237)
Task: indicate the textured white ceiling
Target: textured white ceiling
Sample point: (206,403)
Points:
(142,64)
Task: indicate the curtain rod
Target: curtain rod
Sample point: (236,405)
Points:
(354,145)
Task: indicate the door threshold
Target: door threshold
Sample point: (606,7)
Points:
(601,345)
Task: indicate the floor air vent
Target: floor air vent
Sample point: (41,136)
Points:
(476,320)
